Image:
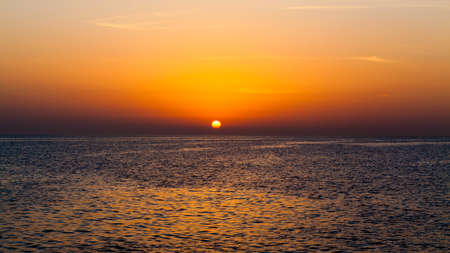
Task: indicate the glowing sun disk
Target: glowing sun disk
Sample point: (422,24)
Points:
(216,124)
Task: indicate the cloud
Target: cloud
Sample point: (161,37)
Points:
(374,59)
(131,22)
(258,58)
(160,20)
(265,92)
(145,26)
(338,5)
(326,7)
(130,26)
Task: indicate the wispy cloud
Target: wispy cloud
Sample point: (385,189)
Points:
(339,5)
(265,92)
(326,7)
(131,22)
(130,26)
(258,58)
(160,20)
(374,59)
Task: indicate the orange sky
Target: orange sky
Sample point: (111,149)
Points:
(338,67)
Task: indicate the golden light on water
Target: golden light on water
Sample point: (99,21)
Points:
(216,124)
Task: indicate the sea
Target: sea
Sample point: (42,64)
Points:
(224,194)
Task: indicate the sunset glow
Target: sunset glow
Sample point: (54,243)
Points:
(328,67)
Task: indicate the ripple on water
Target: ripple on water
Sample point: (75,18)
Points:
(224,194)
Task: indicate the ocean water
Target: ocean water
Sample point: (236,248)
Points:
(215,194)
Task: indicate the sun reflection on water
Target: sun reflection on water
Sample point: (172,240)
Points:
(229,194)
(173,219)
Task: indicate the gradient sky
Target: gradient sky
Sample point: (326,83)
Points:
(312,67)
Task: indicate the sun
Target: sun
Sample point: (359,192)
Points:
(216,124)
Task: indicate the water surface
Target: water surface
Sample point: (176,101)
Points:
(224,194)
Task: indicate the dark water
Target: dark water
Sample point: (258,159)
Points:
(224,194)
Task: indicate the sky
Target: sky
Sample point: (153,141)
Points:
(297,67)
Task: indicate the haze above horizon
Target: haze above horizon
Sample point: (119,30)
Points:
(330,67)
